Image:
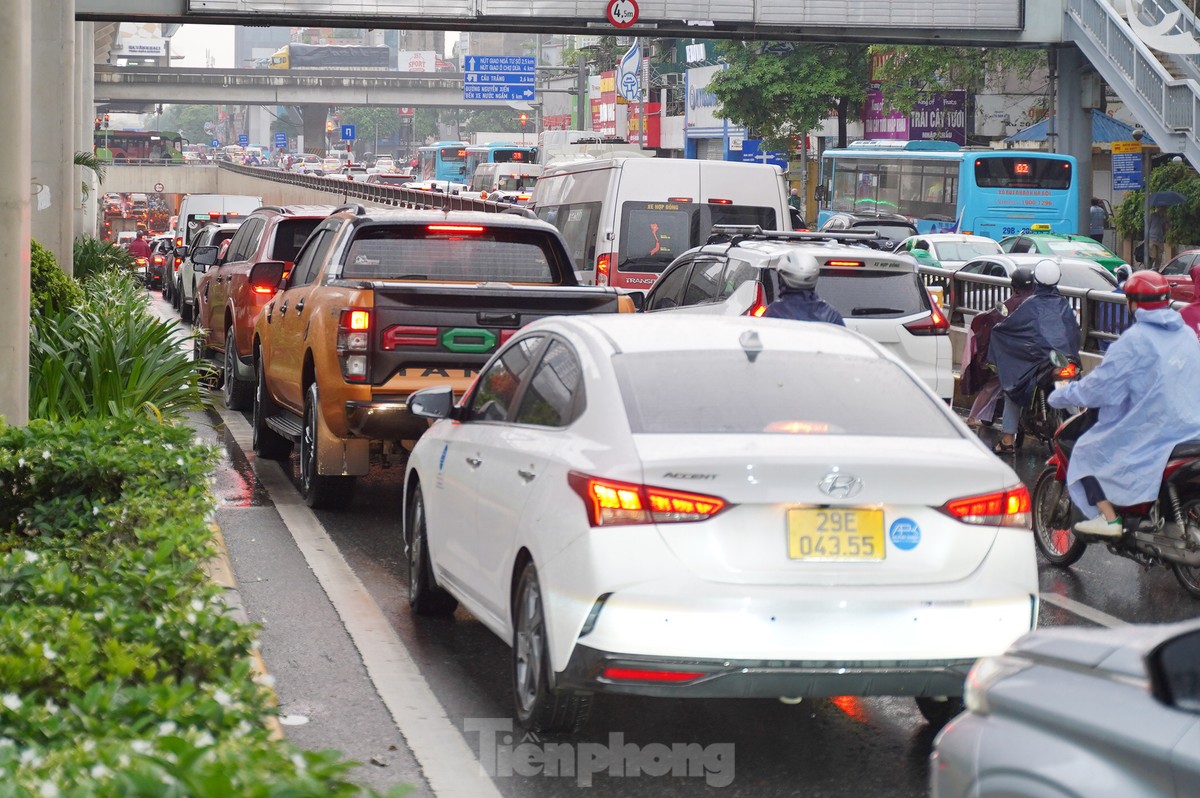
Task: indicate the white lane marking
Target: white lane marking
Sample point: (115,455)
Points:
(1083,610)
(434,740)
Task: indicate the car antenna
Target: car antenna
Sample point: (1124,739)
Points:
(751,344)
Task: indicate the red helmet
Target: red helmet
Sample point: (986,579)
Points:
(1148,289)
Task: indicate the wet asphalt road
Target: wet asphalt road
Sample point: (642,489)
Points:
(841,747)
(837,748)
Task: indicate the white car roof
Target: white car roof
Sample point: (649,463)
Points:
(635,332)
(936,238)
(829,251)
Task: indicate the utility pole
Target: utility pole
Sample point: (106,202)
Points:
(581,81)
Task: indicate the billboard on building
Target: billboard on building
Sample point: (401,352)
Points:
(416,61)
(937,116)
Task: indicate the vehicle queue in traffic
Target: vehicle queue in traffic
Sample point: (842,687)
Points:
(810,516)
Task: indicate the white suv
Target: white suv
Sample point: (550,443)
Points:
(211,235)
(879,294)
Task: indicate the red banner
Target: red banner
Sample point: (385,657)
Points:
(648,133)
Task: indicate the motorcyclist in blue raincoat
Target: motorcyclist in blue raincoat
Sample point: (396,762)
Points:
(1146,390)
(1020,345)
(798,300)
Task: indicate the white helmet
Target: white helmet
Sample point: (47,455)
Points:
(1046,272)
(798,270)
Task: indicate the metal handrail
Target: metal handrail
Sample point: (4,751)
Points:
(1102,315)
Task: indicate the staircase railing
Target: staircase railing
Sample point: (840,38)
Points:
(1168,108)
(1153,12)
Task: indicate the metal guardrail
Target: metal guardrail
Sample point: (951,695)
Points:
(392,196)
(1103,315)
(1154,11)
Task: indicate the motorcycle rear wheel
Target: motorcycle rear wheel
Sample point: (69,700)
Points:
(1053,520)
(1189,575)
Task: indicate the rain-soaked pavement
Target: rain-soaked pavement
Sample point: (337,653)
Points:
(837,748)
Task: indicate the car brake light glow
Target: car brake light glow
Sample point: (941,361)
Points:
(612,503)
(759,306)
(935,323)
(843,263)
(712,201)
(409,335)
(679,199)
(644,675)
(1003,508)
(353,343)
(455,228)
(602,263)
(1068,371)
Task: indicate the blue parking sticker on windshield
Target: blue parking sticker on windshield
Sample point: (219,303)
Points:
(905,534)
(442,459)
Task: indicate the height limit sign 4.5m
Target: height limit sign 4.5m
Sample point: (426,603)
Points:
(622,13)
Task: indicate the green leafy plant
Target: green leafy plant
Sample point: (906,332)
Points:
(92,256)
(89,161)
(50,288)
(121,673)
(109,356)
(1183,220)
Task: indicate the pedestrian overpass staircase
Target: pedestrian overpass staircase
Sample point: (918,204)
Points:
(1161,89)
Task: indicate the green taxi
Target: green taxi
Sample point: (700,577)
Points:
(1067,245)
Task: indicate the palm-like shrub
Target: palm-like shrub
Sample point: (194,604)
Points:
(93,256)
(109,356)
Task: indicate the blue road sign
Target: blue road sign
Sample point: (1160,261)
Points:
(215,143)
(500,78)
(243,140)
(280,140)
(752,153)
(1127,171)
(347,132)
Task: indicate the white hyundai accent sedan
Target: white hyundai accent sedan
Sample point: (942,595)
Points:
(673,505)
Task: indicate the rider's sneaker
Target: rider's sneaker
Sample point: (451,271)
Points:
(1100,526)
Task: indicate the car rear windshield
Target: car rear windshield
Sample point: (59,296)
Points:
(962,250)
(290,235)
(467,252)
(875,294)
(806,393)
(655,233)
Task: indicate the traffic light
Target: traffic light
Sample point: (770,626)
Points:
(106,121)
(97,123)
(524,119)
(328,125)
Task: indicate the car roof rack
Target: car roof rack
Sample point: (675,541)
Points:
(356,208)
(734,234)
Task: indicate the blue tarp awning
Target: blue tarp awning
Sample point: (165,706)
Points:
(1105,130)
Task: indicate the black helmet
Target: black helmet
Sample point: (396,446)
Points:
(1022,278)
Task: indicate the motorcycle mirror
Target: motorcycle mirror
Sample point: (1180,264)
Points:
(1002,309)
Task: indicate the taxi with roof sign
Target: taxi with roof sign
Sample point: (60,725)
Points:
(878,293)
(1041,240)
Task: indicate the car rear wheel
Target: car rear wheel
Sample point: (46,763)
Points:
(239,395)
(940,710)
(1053,519)
(186,309)
(425,597)
(267,442)
(320,491)
(539,707)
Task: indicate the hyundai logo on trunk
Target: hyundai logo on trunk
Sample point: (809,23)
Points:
(840,486)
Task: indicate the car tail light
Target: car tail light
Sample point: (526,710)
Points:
(646,675)
(603,261)
(612,503)
(179,242)
(935,324)
(353,343)
(843,263)
(759,305)
(455,228)
(159,259)
(139,261)
(408,335)
(712,201)
(1068,372)
(178,263)
(1002,508)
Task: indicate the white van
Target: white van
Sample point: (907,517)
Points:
(197,210)
(625,219)
(506,177)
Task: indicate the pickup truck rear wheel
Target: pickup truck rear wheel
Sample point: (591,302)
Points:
(239,395)
(267,442)
(320,491)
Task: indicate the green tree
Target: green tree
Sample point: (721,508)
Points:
(189,120)
(778,96)
(369,123)
(1183,220)
(904,74)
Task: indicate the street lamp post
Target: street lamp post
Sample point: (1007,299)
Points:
(1138,133)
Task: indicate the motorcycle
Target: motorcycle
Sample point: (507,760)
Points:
(1038,418)
(1163,532)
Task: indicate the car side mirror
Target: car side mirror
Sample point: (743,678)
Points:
(638,298)
(797,220)
(181,251)
(1175,669)
(266,276)
(204,256)
(436,402)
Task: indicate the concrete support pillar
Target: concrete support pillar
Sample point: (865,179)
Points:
(85,112)
(314,117)
(53,128)
(16,60)
(1075,124)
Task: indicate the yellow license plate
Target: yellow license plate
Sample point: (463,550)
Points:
(835,535)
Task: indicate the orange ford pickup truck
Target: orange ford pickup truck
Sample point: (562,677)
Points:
(380,304)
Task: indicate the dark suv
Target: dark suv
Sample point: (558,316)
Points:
(891,228)
(226,304)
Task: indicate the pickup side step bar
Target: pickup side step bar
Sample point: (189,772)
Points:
(289,425)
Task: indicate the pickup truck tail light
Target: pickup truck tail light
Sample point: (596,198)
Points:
(354,343)
(603,262)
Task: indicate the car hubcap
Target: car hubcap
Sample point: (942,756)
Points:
(230,371)
(529,646)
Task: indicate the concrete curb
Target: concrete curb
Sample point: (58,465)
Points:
(220,570)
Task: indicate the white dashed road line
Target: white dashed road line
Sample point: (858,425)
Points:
(1083,610)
